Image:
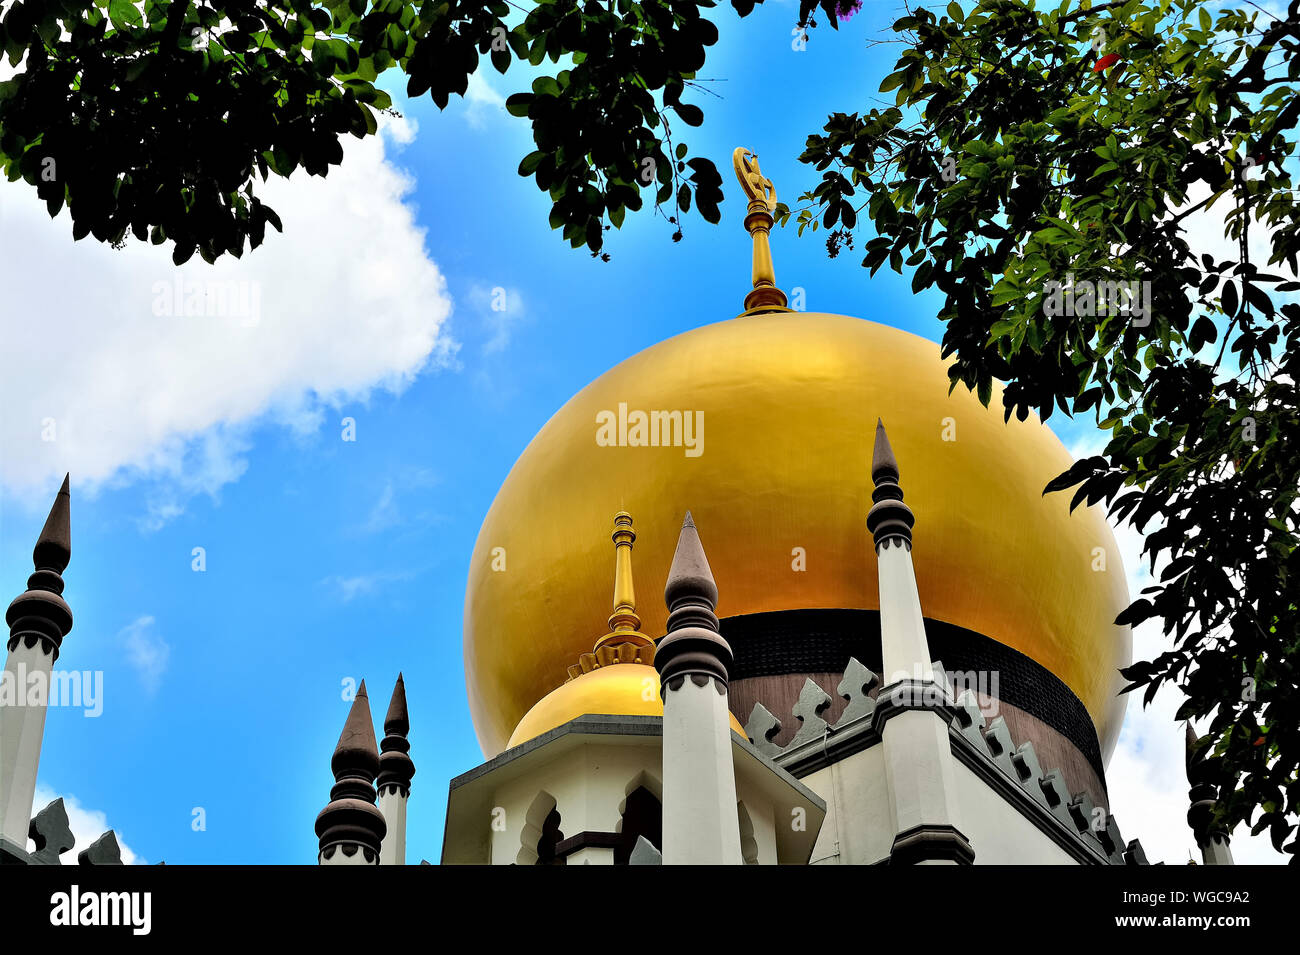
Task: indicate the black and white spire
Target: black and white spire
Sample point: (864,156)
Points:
(41,614)
(395,765)
(38,621)
(701,823)
(694,645)
(351,827)
(889,518)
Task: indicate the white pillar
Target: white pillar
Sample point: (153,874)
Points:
(700,823)
(395,773)
(22,728)
(38,621)
(905,652)
(392,803)
(1215,851)
(919,766)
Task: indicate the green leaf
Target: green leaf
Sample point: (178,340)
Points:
(124,14)
(691,115)
(1228,299)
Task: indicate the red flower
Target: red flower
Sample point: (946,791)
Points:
(1105,61)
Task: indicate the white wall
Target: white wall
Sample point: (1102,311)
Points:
(998,833)
(858,828)
(588,785)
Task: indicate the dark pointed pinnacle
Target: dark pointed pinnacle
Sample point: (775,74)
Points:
(690,588)
(395,766)
(357,753)
(54,546)
(883,463)
(396,722)
(351,817)
(693,645)
(889,518)
(41,613)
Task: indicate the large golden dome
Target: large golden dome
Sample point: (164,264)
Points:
(789,403)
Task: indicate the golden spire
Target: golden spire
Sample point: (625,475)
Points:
(625,643)
(765,296)
(624,619)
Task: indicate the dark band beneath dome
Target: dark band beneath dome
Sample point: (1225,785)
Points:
(821,641)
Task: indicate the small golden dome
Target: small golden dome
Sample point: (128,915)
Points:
(622,689)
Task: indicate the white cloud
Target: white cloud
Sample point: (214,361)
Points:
(344,302)
(146,651)
(349,588)
(1206,228)
(482,101)
(388,510)
(87,825)
(502,309)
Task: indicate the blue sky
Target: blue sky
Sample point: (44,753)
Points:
(331,560)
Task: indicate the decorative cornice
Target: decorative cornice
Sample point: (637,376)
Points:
(929,843)
(52,836)
(395,765)
(41,614)
(103,851)
(889,518)
(988,751)
(1035,791)
(693,646)
(349,849)
(351,819)
(610,655)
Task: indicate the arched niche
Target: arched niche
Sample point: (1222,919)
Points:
(541,833)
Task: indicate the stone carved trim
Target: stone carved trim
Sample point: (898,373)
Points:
(543,805)
(644,853)
(52,835)
(1091,825)
(930,842)
(609,655)
(987,749)
(856,687)
(349,849)
(699,679)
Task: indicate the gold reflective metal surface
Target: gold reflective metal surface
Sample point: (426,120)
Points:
(626,689)
(765,296)
(789,404)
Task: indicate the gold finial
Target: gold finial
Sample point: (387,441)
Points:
(624,618)
(765,296)
(624,624)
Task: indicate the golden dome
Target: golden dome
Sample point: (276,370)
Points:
(622,689)
(789,403)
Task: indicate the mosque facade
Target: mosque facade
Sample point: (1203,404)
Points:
(879,641)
